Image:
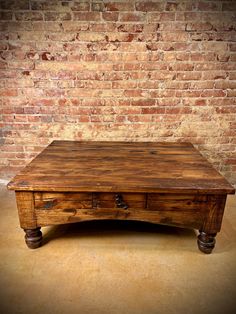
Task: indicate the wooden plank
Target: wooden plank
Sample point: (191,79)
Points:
(177,197)
(137,197)
(45,196)
(62,204)
(72,166)
(62,200)
(192,219)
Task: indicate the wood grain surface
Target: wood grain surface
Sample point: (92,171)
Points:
(120,167)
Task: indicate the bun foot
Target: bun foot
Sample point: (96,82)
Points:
(206,242)
(33,238)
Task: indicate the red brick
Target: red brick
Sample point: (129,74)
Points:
(29,16)
(14,5)
(232,46)
(207,6)
(132,17)
(232,76)
(181,66)
(73,26)
(161,75)
(177,36)
(99,6)
(119,6)
(188,76)
(87,16)
(80,6)
(200,102)
(110,16)
(131,28)
(5,16)
(229,6)
(153,110)
(147,6)
(214,75)
(133,93)
(57,16)
(199,26)
(213,93)
(178,6)
(143,102)
(139,118)
(233,57)
(223,84)
(164,16)
(7,92)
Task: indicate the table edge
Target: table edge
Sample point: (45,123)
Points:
(122,190)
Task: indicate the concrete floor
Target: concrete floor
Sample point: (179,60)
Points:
(115,267)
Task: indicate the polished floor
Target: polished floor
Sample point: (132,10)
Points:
(115,267)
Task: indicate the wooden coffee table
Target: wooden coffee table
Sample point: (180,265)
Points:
(164,183)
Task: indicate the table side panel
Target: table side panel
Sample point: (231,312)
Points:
(214,214)
(171,209)
(26,211)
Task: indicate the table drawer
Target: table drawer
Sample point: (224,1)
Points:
(173,202)
(119,200)
(63,201)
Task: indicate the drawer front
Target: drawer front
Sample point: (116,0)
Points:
(170,209)
(119,200)
(175,202)
(62,201)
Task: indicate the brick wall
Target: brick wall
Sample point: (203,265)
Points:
(108,70)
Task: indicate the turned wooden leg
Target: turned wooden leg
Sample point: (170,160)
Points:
(33,238)
(206,242)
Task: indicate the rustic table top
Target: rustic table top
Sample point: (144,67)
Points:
(120,167)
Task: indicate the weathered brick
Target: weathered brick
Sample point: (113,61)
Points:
(46,5)
(110,16)
(214,75)
(199,26)
(177,36)
(57,16)
(147,6)
(119,6)
(178,6)
(102,27)
(7,92)
(97,6)
(91,37)
(14,5)
(80,6)
(189,76)
(87,16)
(29,16)
(5,16)
(213,93)
(132,17)
(229,6)
(73,26)
(163,16)
(143,102)
(207,6)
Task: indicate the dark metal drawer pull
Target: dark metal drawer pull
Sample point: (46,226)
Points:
(120,203)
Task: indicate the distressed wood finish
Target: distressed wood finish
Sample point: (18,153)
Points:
(165,183)
(120,167)
(25,205)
